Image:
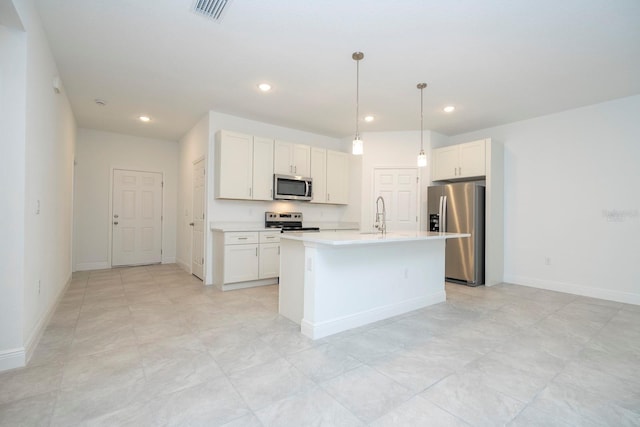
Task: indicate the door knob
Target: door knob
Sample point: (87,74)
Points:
(115,222)
(115,216)
(191,224)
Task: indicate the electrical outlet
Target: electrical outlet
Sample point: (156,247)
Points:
(547,261)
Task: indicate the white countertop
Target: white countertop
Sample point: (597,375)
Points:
(259,226)
(239,226)
(340,238)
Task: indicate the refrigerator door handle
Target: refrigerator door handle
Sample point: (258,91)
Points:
(444,214)
(440,215)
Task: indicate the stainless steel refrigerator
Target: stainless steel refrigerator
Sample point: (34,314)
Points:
(459,208)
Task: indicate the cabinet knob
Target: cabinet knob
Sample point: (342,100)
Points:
(115,222)
(191,224)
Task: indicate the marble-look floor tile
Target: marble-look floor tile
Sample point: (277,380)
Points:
(323,362)
(79,405)
(19,383)
(474,402)
(207,404)
(265,384)
(244,421)
(31,411)
(311,408)
(366,392)
(177,363)
(367,346)
(418,412)
(235,351)
(122,364)
(418,369)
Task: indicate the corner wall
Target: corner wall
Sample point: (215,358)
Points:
(97,154)
(41,130)
(571,209)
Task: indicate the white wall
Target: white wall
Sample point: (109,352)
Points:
(192,147)
(97,154)
(13,61)
(571,196)
(391,150)
(41,130)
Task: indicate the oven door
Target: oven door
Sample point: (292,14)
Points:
(291,187)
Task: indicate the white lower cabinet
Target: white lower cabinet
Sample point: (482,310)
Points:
(246,258)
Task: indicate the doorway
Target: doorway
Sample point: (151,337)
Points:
(197,225)
(399,189)
(136,221)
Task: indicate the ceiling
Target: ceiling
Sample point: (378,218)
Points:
(497,61)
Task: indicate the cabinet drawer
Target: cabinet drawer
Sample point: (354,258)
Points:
(240,237)
(269,236)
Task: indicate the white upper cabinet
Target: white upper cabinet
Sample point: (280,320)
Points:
(319,174)
(262,168)
(292,159)
(234,165)
(337,177)
(330,174)
(459,161)
(244,166)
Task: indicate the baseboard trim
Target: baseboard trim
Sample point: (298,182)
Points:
(169,260)
(575,289)
(103,265)
(183,265)
(36,334)
(333,326)
(13,358)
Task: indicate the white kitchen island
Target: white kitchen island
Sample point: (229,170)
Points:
(334,281)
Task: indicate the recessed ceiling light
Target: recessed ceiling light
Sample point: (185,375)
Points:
(449,109)
(265,87)
(100,102)
(145,118)
(369,118)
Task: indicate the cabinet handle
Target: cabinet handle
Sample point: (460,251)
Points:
(290,168)
(328,197)
(278,250)
(242,238)
(295,169)
(269,237)
(249,191)
(256,251)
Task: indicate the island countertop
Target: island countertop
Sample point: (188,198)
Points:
(341,238)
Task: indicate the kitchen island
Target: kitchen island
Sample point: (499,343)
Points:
(334,281)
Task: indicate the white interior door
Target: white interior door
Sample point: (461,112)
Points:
(137,218)
(197,234)
(399,189)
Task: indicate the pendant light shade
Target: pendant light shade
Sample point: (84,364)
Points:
(422,157)
(357,146)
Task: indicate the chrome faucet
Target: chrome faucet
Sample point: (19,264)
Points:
(381,217)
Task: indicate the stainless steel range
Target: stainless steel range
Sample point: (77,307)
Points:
(287,221)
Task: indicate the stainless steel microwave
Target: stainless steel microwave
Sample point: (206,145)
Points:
(287,187)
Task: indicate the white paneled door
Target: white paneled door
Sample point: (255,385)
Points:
(197,226)
(399,188)
(136,218)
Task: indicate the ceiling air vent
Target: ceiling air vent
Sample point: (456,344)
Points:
(212,9)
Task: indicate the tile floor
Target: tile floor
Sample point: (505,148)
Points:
(150,346)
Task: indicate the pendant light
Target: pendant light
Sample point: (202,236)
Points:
(357,145)
(422,157)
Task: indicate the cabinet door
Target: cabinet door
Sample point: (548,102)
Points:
(282,158)
(262,169)
(269,260)
(319,174)
(337,177)
(234,164)
(240,263)
(445,163)
(301,160)
(472,159)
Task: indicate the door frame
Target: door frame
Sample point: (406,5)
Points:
(110,217)
(375,168)
(202,158)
